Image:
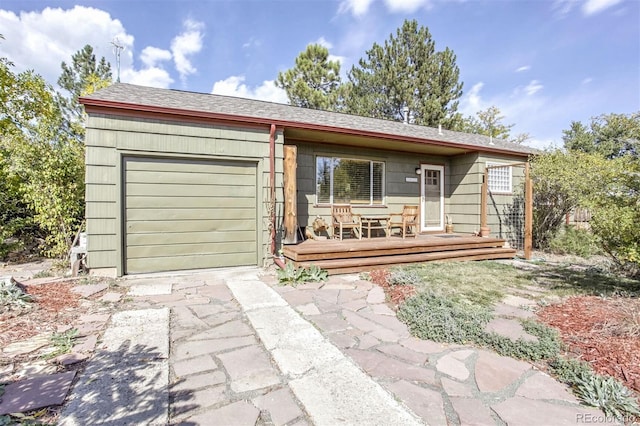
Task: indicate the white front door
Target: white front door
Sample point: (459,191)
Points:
(432,197)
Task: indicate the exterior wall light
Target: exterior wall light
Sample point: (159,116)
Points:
(418,171)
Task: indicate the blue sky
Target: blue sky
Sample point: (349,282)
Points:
(543,63)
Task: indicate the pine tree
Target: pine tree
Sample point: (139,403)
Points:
(78,79)
(407,72)
(314,82)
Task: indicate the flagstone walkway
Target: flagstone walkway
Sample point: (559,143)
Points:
(228,365)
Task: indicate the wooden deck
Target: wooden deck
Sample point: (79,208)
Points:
(348,256)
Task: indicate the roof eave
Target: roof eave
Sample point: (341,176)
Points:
(101,104)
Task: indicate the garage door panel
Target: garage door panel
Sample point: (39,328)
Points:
(175,263)
(160,177)
(187,214)
(191,202)
(197,167)
(190,214)
(174,227)
(177,190)
(160,238)
(148,251)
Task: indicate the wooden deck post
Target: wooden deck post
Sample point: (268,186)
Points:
(290,195)
(528,212)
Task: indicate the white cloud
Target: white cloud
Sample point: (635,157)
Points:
(356,7)
(186,44)
(562,7)
(359,8)
(152,76)
(323,42)
(587,80)
(407,6)
(253,42)
(592,7)
(533,87)
(524,68)
(42,40)
(234,86)
(151,56)
(472,102)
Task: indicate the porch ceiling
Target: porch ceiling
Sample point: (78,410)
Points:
(336,138)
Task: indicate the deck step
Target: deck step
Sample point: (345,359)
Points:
(325,250)
(360,264)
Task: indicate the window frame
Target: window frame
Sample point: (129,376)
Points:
(493,186)
(371,162)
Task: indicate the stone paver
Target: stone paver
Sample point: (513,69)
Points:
(246,351)
(249,369)
(442,383)
(31,394)
(220,373)
(494,372)
(510,328)
(89,290)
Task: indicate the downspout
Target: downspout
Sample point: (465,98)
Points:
(272,184)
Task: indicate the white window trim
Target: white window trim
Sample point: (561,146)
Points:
(501,189)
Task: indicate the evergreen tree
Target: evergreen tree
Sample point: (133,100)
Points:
(314,82)
(407,72)
(77,79)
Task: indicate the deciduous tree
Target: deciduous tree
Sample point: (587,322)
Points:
(41,164)
(610,135)
(489,122)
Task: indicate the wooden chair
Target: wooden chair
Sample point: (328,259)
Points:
(407,221)
(342,219)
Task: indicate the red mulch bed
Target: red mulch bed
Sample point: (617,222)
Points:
(395,293)
(55,305)
(603,332)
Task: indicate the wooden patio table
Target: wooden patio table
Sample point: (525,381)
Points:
(377,221)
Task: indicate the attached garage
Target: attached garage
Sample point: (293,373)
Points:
(176,186)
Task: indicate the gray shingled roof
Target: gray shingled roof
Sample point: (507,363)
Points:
(261,110)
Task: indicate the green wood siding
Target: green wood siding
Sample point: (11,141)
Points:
(398,166)
(110,138)
(465,185)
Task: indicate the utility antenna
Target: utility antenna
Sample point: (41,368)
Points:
(117,50)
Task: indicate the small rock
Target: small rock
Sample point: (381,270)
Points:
(70,359)
(90,289)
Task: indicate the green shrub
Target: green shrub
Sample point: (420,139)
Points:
(404,276)
(63,342)
(547,346)
(608,394)
(440,318)
(604,392)
(571,240)
(12,296)
(437,317)
(294,276)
